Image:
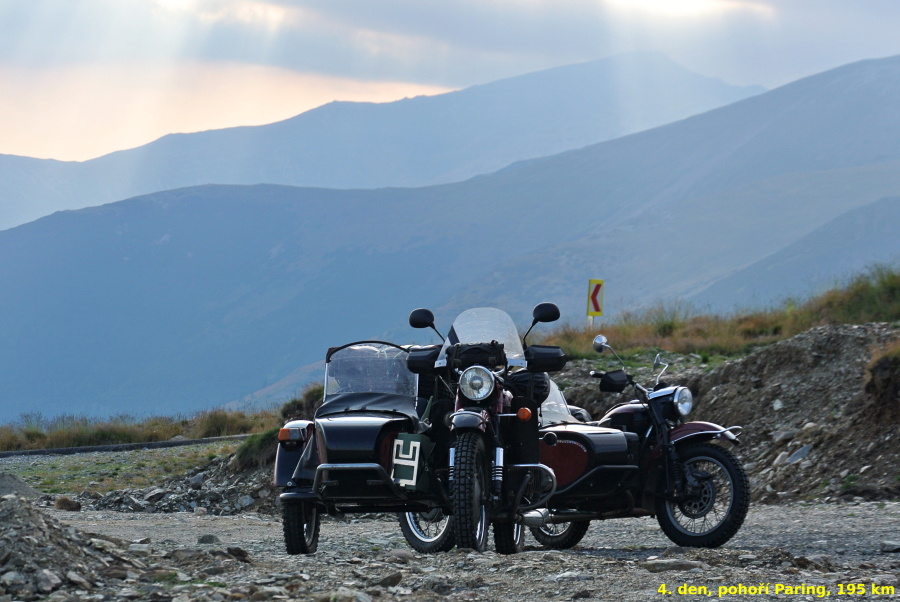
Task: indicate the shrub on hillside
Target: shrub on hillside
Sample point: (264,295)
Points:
(219,423)
(304,405)
(257,450)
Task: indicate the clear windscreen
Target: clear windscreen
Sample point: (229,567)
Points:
(369,368)
(555,409)
(483,325)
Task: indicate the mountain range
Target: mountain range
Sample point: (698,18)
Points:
(411,142)
(198,296)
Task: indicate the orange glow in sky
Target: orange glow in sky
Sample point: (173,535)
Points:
(83,112)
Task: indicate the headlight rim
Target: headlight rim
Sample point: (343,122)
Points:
(683,401)
(464,382)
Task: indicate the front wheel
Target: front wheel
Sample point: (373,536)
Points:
(468,492)
(561,536)
(428,532)
(715,509)
(300,523)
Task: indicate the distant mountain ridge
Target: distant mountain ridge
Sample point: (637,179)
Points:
(196,297)
(412,142)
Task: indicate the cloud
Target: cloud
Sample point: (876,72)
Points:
(324,49)
(453,43)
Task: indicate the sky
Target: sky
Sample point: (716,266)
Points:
(82,78)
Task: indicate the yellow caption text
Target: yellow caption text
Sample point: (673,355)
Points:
(778,589)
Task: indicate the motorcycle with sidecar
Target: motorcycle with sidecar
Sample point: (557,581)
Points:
(444,435)
(640,459)
(375,445)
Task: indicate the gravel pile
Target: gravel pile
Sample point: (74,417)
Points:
(215,489)
(812,426)
(39,556)
(12,484)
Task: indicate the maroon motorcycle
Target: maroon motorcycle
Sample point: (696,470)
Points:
(640,459)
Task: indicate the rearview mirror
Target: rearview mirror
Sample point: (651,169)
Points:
(421,318)
(600,343)
(545,312)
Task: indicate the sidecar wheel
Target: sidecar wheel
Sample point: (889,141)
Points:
(718,511)
(300,523)
(509,538)
(561,536)
(470,485)
(428,532)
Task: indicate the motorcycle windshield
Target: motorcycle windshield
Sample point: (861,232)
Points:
(483,325)
(369,368)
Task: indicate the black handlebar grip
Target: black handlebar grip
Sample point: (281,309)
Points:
(597,374)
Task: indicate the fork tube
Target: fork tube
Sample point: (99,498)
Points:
(450,473)
(498,470)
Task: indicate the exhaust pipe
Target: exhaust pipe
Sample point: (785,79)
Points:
(536,518)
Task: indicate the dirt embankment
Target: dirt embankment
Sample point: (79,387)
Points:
(819,418)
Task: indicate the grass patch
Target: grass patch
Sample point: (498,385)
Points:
(873,296)
(34,431)
(130,469)
(257,450)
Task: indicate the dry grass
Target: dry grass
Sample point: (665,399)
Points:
(33,431)
(870,297)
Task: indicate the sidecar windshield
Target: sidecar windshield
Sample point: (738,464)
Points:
(555,409)
(369,368)
(483,325)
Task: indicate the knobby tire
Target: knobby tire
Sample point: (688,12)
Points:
(469,486)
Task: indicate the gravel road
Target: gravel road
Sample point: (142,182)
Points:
(812,548)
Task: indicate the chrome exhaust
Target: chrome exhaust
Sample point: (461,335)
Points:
(536,518)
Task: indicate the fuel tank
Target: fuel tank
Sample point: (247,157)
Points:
(631,417)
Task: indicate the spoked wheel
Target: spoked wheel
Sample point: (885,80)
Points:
(561,536)
(300,523)
(718,504)
(509,538)
(468,495)
(428,532)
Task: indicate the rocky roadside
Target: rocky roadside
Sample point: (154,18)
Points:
(103,555)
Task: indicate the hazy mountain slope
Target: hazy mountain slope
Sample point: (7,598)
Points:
(842,118)
(411,142)
(845,246)
(676,251)
(196,297)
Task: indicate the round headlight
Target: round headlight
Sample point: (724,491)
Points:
(476,383)
(684,400)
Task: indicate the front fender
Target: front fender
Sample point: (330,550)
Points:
(467,419)
(702,431)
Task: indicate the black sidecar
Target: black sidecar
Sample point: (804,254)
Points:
(376,444)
